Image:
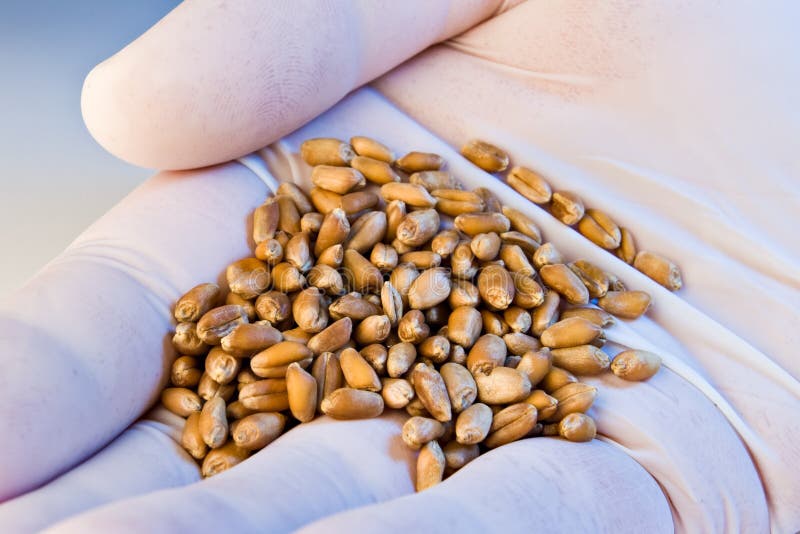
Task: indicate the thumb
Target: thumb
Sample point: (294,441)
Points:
(213,81)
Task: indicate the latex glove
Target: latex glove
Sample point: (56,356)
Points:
(172,231)
(619,154)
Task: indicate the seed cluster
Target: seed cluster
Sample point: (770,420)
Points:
(376,290)
(595,225)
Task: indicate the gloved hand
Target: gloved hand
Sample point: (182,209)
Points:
(638,108)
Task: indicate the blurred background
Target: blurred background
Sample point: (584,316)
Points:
(54,179)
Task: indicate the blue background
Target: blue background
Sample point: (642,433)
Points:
(54,179)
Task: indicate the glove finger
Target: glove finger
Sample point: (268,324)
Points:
(317,469)
(553,484)
(86,342)
(143,459)
(214,81)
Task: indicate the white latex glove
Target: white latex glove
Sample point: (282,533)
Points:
(644,109)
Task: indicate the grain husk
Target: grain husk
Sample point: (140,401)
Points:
(488,352)
(222,459)
(221,366)
(430,288)
(636,365)
(334,337)
(546,314)
(597,316)
(411,194)
(660,269)
(496,287)
(374,170)
(358,373)
(432,392)
(288,215)
(559,277)
(352,306)
(502,385)
(185,340)
(369,229)
(384,257)
(454,202)
(349,403)
(599,228)
(419,161)
(181,401)
(219,322)
(430,466)
(412,327)
(577,427)
(301,389)
(265,220)
(460,385)
(396,392)
(482,223)
(546,405)
(249,338)
(326,151)
(185,372)
(575,397)
(196,302)
(418,227)
(364,276)
(581,360)
(213,423)
(327,373)
(417,431)
(400,358)
(339,180)
(567,207)
(627,246)
(519,343)
(535,364)
(287,278)
(570,332)
(192,439)
(556,378)
(625,304)
(473,424)
(511,423)
(269,251)
(485,155)
(258,430)
(530,184)
(368,147)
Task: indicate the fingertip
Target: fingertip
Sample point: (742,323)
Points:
(185,94)
(125,107)
(213,81)
(93,94)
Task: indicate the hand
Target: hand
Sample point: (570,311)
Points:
(70,378)
(314,471)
